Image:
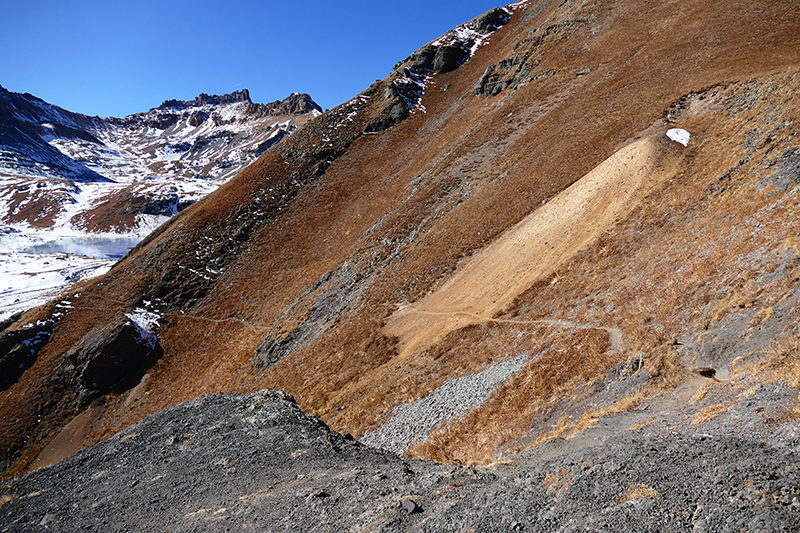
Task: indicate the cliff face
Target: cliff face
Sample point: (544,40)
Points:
(507,196)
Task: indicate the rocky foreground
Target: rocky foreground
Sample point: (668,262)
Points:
(256,462)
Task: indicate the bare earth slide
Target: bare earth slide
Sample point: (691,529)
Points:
(536,246)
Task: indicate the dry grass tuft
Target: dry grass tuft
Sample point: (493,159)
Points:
(760,317)
(566,430)
(638,492)
(782,361)
(666,368)
(5,498)
(701,393)
(712,411)
(641,425)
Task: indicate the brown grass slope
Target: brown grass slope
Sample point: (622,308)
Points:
(318,243)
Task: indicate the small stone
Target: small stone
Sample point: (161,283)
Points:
(316,495)
(410,506)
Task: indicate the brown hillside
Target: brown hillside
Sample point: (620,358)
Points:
(547,216)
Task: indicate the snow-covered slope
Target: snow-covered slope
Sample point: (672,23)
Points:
(79,187)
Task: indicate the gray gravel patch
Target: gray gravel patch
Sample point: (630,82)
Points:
(411,422)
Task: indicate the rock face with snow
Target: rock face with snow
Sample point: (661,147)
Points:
(66,177)
(187,148)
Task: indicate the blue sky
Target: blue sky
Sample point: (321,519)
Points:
(113,58)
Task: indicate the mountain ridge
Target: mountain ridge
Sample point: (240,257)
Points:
(90,186)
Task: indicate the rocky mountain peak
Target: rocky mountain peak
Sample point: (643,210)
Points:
(294,104)
(205,99)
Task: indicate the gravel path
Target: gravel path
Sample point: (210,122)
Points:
(411,422)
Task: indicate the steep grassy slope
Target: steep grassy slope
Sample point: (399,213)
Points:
(291,275)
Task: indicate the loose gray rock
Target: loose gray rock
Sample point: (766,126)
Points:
(256,462)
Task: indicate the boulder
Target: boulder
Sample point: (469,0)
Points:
(109,354)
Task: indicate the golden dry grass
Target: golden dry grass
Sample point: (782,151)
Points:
(535,247)
(638,492)
(761,316)
(5,498)
(565,428)
(782,360)
(573,359)
(707,414)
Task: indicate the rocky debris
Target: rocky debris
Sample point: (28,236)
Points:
(233,463)
(410,423)
(410,506)
(787,173)
(225,462)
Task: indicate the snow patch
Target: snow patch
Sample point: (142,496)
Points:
(175,166)
(516,6)
(145,322)
(679,136)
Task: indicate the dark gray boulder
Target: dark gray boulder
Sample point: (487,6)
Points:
(109,355)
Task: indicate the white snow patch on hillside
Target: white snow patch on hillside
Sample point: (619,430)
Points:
(146,323)
(28,280)
(679,136)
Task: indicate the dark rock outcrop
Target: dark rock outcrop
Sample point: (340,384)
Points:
(294,104)
(407,82)
(205,99)
(107,356)
(197,118)
(19,346)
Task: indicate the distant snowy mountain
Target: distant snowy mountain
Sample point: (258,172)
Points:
(78,191)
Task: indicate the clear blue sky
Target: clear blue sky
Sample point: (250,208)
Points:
(113,58)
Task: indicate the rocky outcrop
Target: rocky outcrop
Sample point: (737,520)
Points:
(205,99)
(19,346)
(521,67)
(407,82)
(108,356)
(294,104)
(197,118)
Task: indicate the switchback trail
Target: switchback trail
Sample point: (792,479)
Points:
(616,340)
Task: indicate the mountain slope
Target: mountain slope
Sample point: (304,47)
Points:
(292,275)
(73,186)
